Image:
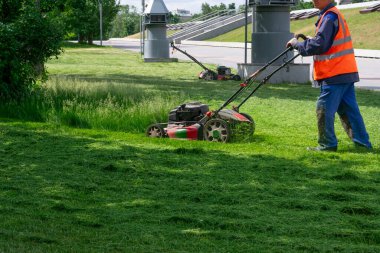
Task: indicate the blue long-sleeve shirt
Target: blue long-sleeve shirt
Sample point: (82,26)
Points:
(322,42)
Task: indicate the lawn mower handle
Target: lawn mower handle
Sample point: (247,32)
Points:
(254,75)
(249,80)
(297,36)
(300,35)
(191,57)
(246,84)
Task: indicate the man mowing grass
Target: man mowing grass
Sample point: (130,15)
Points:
(335,71)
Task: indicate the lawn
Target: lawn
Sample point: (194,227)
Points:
(77,173)
(364,35)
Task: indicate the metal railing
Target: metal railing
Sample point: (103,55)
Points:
(207,22)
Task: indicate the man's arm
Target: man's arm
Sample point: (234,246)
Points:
(323,40)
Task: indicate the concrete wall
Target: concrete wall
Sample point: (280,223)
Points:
(293,73)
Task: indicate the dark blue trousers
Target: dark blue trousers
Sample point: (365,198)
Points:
(340,98)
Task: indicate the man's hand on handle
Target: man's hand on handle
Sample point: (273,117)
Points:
(292,43)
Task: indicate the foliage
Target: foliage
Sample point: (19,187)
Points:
(303,5)
(30,35)
(241,8)
(206,8)
(92,190)
(126,22)
(81,17)
(174,18)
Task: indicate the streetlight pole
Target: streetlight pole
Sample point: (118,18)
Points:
(101,21)
(142,28)
(246,32)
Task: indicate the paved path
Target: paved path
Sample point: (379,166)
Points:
(223,54)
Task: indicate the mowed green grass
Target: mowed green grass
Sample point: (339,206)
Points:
(72,182)
(364,29)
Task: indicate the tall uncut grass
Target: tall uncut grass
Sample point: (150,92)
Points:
(94,104)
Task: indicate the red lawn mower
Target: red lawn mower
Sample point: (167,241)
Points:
(194,121)
(222,72)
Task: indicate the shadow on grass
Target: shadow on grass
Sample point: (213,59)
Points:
(88,186)
(68,44)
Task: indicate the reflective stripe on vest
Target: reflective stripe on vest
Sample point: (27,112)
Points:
(341,41)
(332,56)
(340,58)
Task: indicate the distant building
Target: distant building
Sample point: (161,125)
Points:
(184,14)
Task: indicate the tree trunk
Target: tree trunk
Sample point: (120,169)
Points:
(81,38)
(39,69)
(90,39)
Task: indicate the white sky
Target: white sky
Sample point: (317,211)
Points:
(194,6)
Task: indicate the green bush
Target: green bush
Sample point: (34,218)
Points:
(30,35)
(14,75)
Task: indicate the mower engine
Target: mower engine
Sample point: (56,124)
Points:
(223,70)
(187,122)
(190,112)
(224,73)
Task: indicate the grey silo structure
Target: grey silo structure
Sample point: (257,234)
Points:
(156,44)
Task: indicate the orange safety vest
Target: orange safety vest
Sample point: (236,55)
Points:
(340,58)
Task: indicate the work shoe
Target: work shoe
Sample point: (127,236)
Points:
(361,147)
(320,148)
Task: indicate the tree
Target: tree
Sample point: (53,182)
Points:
(206,9)
(222,7)
(174,18)
(242,8)
(231,6)
(126,22)
(30,35)
(82,18)
(303,5)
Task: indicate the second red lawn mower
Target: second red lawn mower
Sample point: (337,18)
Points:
(194,121)
(222,72)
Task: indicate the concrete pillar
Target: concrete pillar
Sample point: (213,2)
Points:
(270,33)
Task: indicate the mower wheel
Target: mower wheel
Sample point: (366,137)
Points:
(236,78)
(155,131)
(209,76)
(216,130)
